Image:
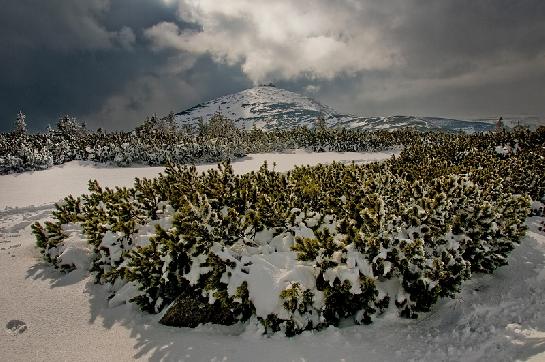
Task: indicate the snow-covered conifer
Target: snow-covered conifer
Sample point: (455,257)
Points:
(20,123)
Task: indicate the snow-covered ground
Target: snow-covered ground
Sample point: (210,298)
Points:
(46,187)
(50,316)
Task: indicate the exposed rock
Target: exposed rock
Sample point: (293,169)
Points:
(191,309)
(15,327)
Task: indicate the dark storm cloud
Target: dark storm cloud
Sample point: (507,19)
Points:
(454,35)
(463,58)
(85,57)
(451,57)
(113,62)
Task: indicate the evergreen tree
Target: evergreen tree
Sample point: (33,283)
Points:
(171,122)
(321,124)
(20,123)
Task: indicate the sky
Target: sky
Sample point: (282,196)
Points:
(112,63)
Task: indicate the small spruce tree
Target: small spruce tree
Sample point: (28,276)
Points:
(20,123)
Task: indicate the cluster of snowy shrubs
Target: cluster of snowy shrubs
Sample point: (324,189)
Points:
(156,142)
(159,141)
(308,248)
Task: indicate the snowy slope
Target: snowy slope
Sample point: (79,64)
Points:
(420,123)
(50,316)
(269,107)
(266,106)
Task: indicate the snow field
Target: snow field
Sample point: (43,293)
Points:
(496,317)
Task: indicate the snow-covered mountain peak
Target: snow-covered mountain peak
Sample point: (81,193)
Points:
(268,107)
(265,106)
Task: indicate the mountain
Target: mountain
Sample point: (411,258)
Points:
(268,107)
(420,123)
(510,121)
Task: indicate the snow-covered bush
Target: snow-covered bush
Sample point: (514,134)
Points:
(157,142)
(307,248)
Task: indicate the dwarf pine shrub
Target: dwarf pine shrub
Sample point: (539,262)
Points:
(310,247)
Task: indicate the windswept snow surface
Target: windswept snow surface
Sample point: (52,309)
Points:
(50,316)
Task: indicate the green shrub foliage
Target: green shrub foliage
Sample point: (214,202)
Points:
(310,247)
(159,142)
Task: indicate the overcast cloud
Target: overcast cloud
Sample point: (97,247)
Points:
(114,62)
(284,39)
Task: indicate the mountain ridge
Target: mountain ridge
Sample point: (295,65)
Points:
(268,107)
